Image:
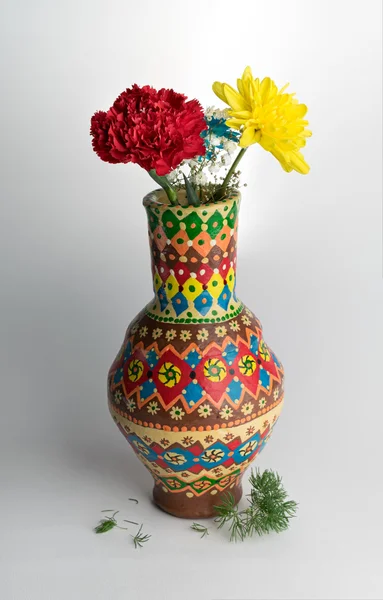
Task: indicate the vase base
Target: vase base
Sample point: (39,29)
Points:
(197,507)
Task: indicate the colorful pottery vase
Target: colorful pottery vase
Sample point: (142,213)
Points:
(195,389)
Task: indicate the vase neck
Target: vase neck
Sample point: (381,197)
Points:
(194,254)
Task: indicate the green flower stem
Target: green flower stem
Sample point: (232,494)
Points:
(232,170)
(164,183)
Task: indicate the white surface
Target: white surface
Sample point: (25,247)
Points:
(74,271)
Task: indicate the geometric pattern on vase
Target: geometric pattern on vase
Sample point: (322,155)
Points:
(193,261)
(200,461)
(230,371)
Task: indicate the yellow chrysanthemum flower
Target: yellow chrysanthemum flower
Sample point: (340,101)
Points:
(267,116)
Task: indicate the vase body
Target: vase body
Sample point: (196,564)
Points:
(194,388)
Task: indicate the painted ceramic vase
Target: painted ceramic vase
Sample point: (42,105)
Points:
(195,389)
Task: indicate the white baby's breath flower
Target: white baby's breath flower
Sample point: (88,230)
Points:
(193,163)
(173,176)
(209,112)
(226,159)
(221,114)
(200,179)
(214,168)
(215,140)
(230,146)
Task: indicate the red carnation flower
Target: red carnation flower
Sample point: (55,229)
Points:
(155,129)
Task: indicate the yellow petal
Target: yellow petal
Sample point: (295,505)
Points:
(249,136)
(235,100)
(307,133)
(247,74)
(244,85)
(265,88)
(219,91)
(247,91)
(282,159)
(240,114)
(284,88)
(254,85)
(299,164)
(295,111)
(236,123)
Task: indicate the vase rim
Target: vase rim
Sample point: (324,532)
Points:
(158,198)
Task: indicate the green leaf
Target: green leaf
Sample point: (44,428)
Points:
(191,194)
(164,183)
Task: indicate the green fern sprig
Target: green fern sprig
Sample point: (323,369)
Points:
(200,529)
(139,539)
(268,510)
(107,523)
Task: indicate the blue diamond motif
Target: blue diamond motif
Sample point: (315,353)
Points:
(152,358)
(214,455)
(147,389)
(224,298)
(203,302)
(178,459)
(234,390)
(162,298)
(246,449)
(118,376)
(193,358)
(264,378)
(230,353)
(193,392)
(127,351)
(254,342)
(142,448)
(179,303)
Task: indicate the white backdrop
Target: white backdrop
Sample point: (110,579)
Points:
(75,270)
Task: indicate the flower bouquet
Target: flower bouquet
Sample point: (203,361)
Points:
(183,147)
